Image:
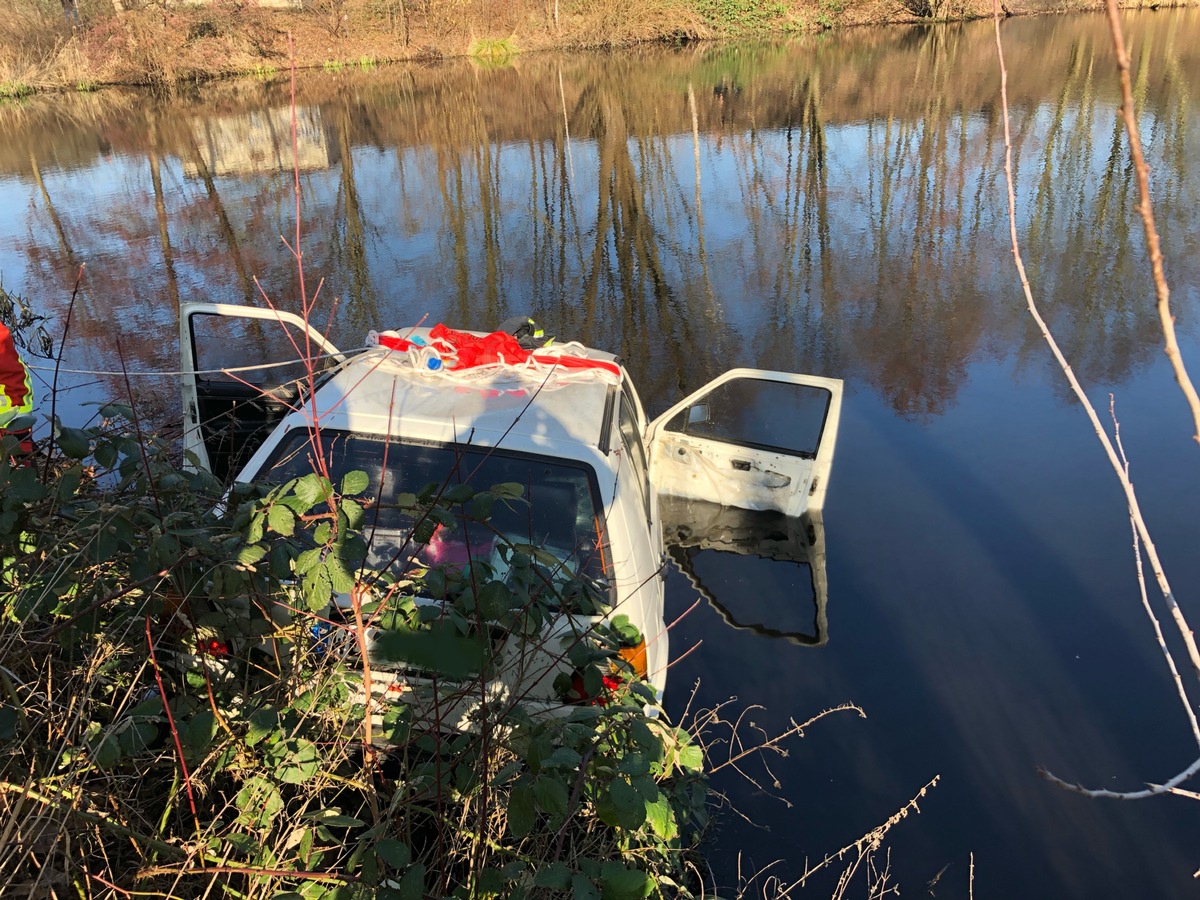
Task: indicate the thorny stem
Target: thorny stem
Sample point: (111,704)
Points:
(62,344)
(360,633)
(162,694)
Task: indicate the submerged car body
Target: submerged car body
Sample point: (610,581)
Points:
(565,423)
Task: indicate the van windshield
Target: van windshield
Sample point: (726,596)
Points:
(559,513)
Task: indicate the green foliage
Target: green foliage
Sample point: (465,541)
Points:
(14,90)
(735,17)
(493,51)
(169,650)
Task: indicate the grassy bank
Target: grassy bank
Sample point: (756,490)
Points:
(44,48)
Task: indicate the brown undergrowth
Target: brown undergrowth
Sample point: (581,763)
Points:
(164,44)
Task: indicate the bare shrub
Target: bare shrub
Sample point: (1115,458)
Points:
(617,23)
(332,14)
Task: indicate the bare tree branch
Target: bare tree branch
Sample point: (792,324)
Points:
(1141,531)
(1162,292)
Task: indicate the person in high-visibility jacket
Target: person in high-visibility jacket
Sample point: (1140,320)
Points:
(16,391)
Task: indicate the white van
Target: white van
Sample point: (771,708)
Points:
(565,422)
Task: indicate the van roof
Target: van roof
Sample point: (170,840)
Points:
(546,410)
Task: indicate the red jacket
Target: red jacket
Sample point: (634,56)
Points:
(16,387)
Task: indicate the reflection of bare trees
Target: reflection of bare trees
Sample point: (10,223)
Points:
(362,307)
(789,206)
(224,225)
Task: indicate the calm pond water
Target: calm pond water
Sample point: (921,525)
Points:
(832,205)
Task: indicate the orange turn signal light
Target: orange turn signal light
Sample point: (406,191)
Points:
(636,657)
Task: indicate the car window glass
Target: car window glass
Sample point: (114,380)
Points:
(561,516)
(753,412)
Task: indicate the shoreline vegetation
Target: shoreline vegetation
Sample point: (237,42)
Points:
(82,45)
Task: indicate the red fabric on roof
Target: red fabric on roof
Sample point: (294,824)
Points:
(468,351)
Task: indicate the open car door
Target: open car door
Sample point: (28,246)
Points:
(722,551)
(241,375)
(750,439)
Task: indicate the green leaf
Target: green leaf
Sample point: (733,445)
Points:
(412,885)
(333,816)
(563,758)
(251,554)
(423,532)
(117,410)
(551,795)
(645,738)
(458,493)
(307,561)
(8,722)
(355,514)
(509,490)
(282,520)
(258,802)
(647,787)
(634,763)
(662,819)
(24,486)
(393,852)
(619,883)
(691,757)
(583,889)
(137,737)
(341,577)
(68,483)
(628,803)
(435,651)
(492,883)
(107,753)
(494,599)
(263,722)
(197,734)
(296,760)
(311,489)
(281,561)
(73,442)
(317,589)
(520,810)
(354,483)
(556,876)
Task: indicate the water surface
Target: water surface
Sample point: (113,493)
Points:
(835,206)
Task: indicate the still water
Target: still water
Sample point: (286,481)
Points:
(832,205)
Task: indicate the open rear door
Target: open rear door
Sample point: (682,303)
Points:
(750,439)
(241,375)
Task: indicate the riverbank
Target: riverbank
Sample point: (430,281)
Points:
(42,50)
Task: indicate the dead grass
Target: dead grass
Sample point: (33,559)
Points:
(165,45)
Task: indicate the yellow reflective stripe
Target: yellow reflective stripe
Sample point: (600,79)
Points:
(8,410)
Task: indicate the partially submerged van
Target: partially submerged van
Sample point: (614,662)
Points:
(563,421)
